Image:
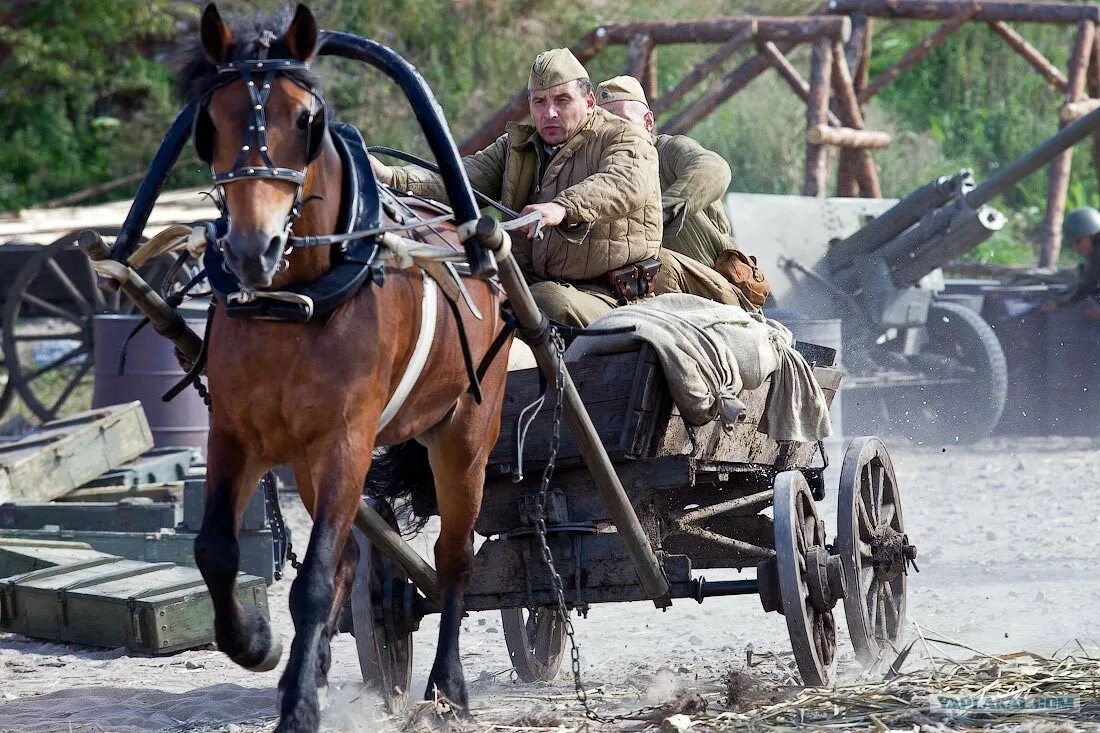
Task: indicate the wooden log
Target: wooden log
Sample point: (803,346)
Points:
(1030,54)
(918,52)
(637,55)
(858,164)
(516,108)
(1094,91)
(731,83)
(718,30)
(1050,242)
(990,10)
(847,137)
(790,74)
(817,109)
(703,70)
(1071,111)
(858,48)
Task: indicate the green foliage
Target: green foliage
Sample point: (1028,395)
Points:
(87,90)
(83,99)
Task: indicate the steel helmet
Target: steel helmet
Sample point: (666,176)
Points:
(1082,222)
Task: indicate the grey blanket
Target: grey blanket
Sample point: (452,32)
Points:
(710,352)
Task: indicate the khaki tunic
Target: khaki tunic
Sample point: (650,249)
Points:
(693,182)
(605,176)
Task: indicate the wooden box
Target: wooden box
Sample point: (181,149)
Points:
(67,453)
(148,608)
(19,556)
(128,515)
(258,552)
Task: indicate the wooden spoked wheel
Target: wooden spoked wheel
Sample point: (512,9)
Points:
(810,581)
(536,642)
(48,327)
(874,549)
(383,618)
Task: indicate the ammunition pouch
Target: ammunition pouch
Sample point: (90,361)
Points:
(634,281)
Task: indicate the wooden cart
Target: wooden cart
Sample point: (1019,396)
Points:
(705,497)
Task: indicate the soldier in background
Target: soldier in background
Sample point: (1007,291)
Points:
(698,253)
(1081,233)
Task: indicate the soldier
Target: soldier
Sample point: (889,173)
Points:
(591,176)
(698,253)
(1081,232)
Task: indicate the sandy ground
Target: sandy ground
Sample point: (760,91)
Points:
(1007,538)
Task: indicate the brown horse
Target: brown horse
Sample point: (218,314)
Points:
(311,394)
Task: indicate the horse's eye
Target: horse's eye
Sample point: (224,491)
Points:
(303,120)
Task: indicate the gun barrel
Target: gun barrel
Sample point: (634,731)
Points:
(963,229)
(1034,159)
(898,218)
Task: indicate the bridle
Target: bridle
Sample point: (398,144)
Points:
(258,76)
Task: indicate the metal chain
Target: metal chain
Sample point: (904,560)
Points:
(278,525)
(540,526)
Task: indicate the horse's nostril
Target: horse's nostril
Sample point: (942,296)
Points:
(273,245)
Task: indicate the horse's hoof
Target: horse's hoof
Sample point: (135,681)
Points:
(271,661)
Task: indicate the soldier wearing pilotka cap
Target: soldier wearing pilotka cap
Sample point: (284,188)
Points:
(699,255)
(592,177)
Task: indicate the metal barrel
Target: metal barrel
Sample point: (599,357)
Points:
(899,217)
(150,370)
(1034,159)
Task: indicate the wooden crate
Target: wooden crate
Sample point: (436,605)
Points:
(18,556)
(148,608)
(257,547)
(128,515)
(67,453)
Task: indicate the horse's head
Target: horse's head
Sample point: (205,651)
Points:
(260,125)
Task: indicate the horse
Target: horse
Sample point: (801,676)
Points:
(312,394)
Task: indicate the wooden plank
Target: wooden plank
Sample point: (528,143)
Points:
(18,556)
(70,452)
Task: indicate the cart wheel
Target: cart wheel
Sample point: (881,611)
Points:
(7,391)
(536,642)
(874,549)
(810,580)
(48,325)
(383,615)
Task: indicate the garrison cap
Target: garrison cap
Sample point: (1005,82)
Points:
(620,89)
(553,67)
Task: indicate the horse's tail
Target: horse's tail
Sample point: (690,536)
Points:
(401,475)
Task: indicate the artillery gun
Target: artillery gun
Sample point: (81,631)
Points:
(919,363)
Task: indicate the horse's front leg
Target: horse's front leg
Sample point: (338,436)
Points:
(331,493)
(457,450)
(231,477)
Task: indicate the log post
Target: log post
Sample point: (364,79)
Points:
(821,64)
(847,137)
(1051,241)
(790,74)
(856,174)
(703,70)
(1030,54)
(1094,91)
(1009,11)
(731,83)
(918,52)
(639,62)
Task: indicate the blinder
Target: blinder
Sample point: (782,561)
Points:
(259,89)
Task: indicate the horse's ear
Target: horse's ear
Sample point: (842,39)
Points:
(216,36)
(301,34)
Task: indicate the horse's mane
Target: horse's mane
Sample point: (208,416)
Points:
(198,76)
